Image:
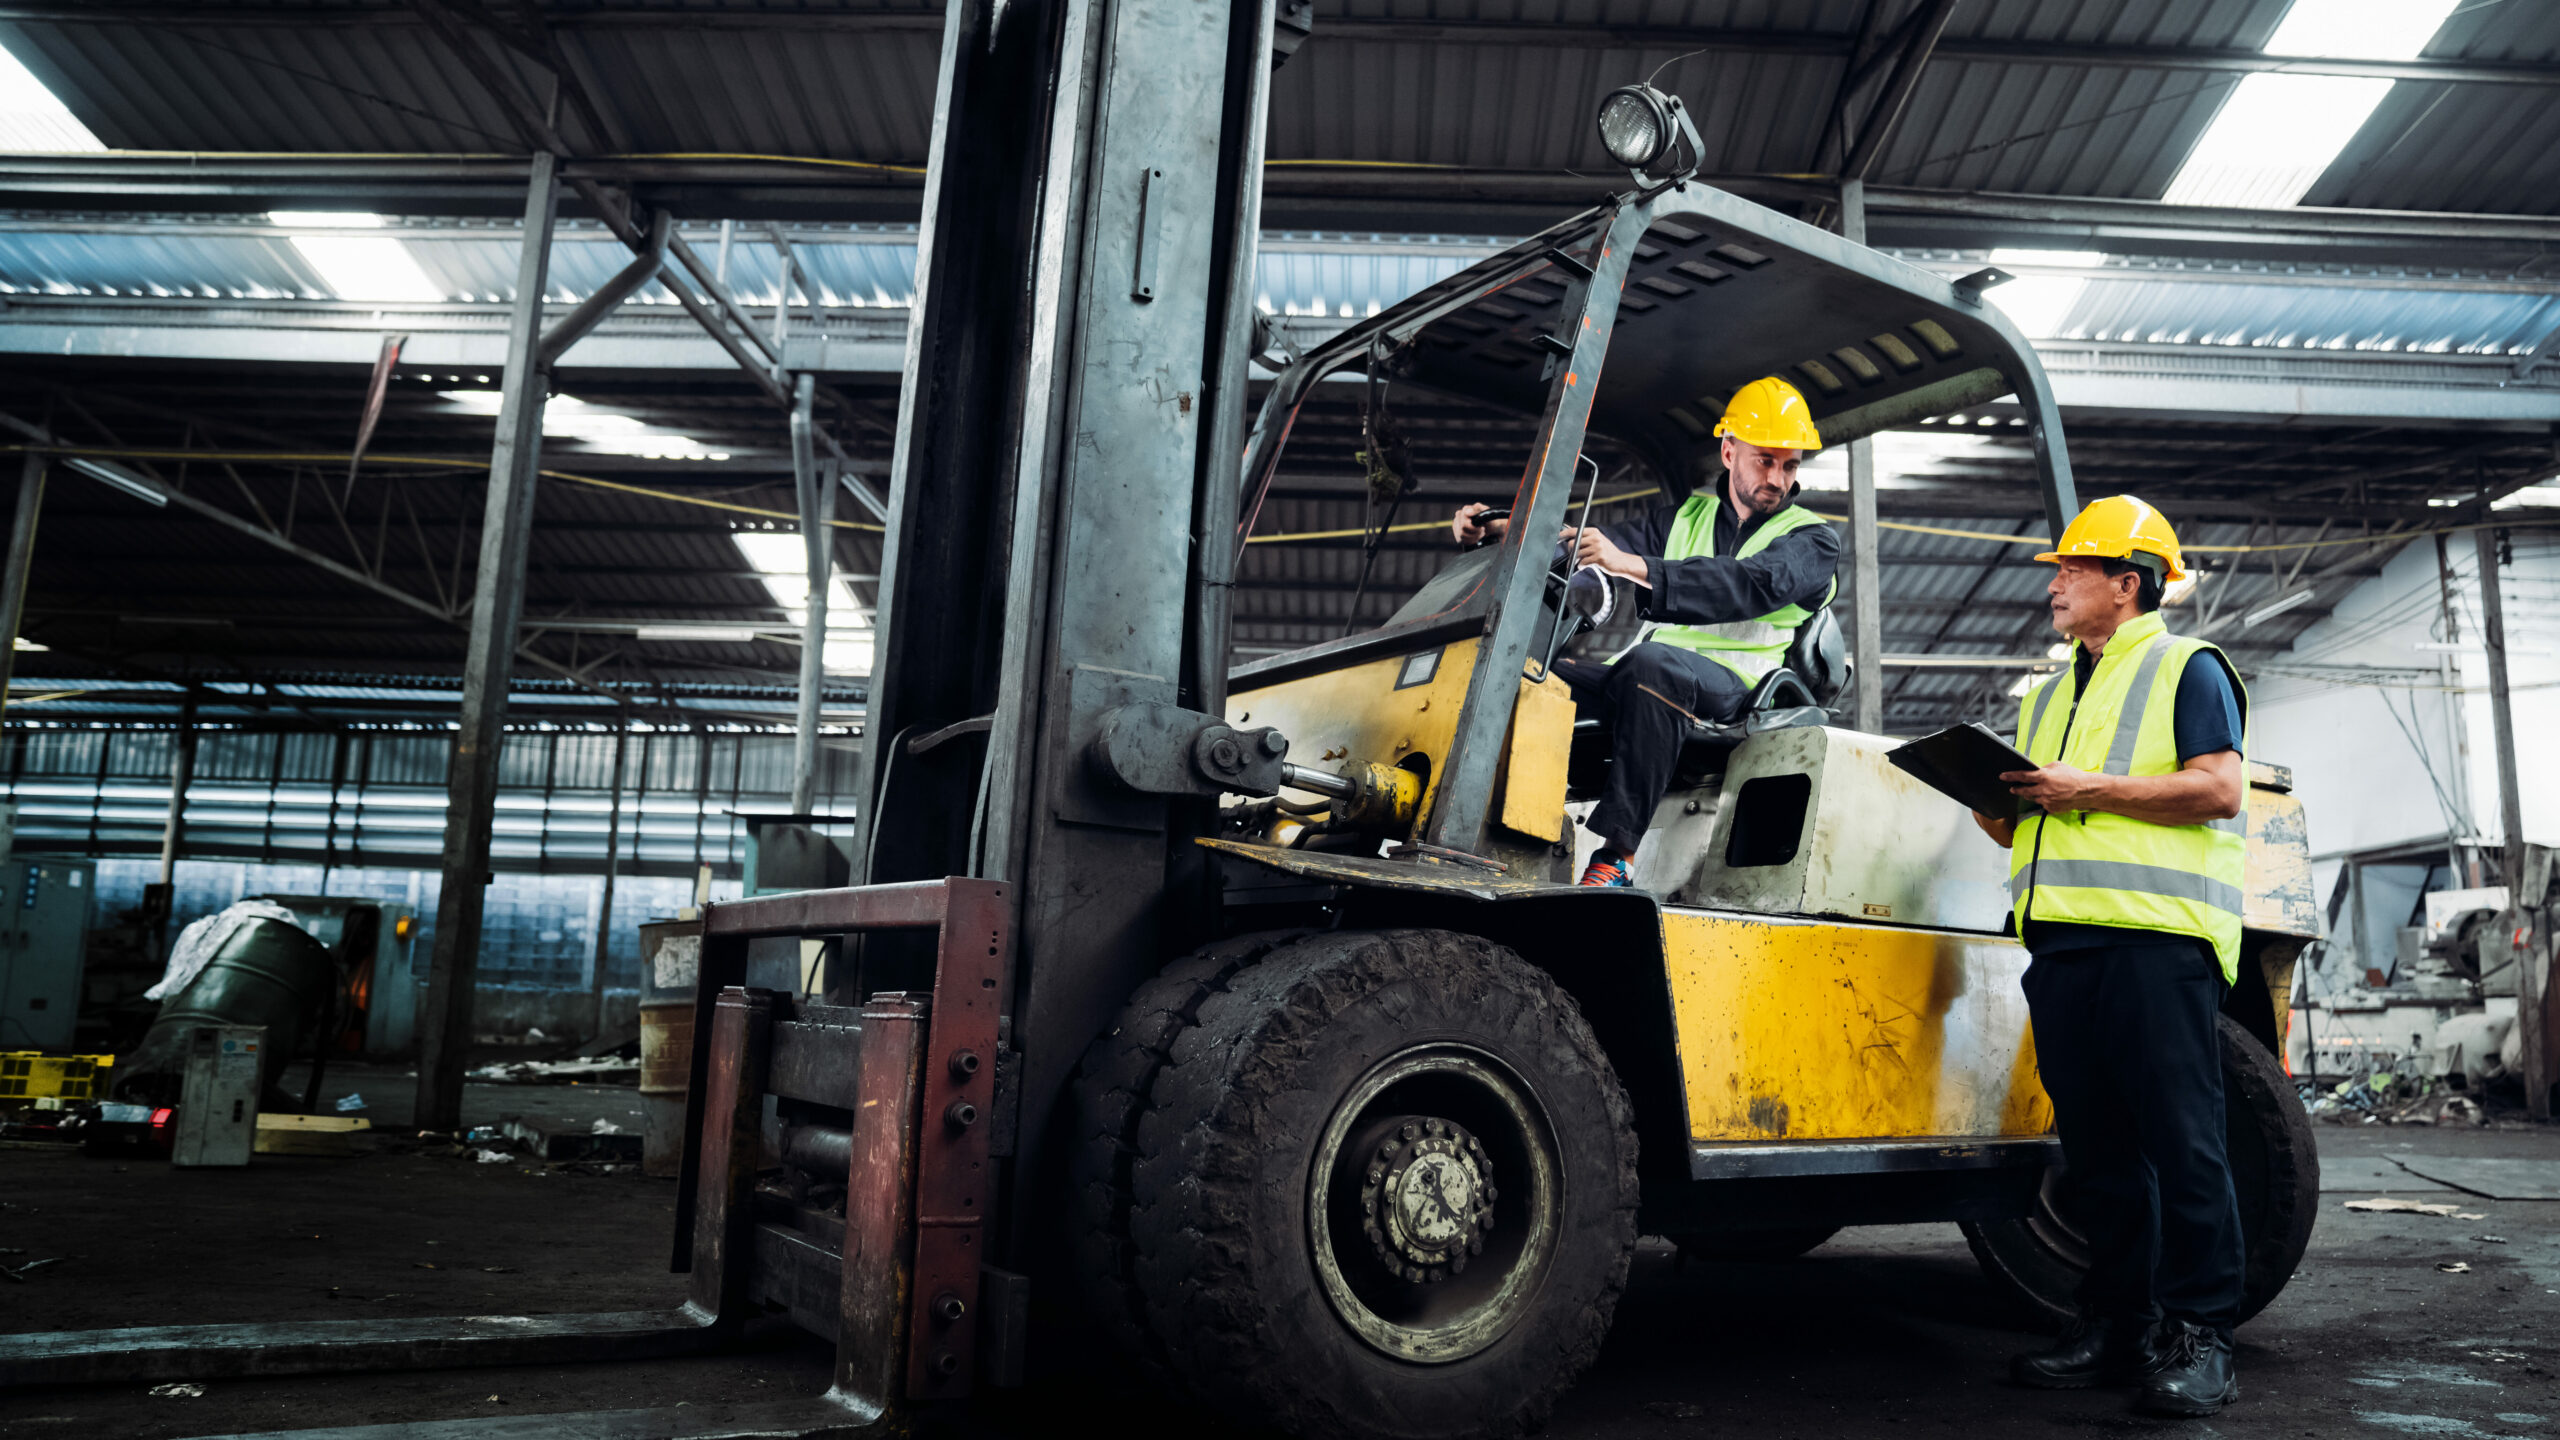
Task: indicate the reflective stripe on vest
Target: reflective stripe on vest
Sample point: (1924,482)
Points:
(2092,868)
(1750,648)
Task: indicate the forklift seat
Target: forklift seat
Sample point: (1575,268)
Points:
(1815,671)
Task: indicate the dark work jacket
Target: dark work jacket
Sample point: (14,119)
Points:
(1711,590)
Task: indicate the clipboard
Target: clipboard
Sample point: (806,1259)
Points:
(1964,763)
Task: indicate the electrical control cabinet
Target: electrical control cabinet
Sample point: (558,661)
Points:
(44,928)
(218,1102)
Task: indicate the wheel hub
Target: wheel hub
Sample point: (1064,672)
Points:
(1426,1198)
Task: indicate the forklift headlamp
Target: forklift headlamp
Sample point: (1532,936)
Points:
(1635,126)
(1641,127)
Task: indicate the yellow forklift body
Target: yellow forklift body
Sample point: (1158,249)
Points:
(1827,1030)
(1403,711)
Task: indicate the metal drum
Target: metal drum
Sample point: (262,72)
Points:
(268,973)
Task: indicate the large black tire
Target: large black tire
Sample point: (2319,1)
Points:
(1300,1091)
(2275,1169)
(1111,1095)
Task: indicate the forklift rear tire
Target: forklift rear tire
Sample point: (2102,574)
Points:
(2275,1169)
(1382,1184)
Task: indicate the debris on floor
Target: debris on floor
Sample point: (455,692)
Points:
(598,1070)
(2455,1267)
(309,1134)
(20,1273)
(2413,1207)
(182,1391)
(603,1143)
(491,1157)
(350,1104)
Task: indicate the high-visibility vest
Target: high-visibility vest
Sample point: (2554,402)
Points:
(1749,648)
(2087,867)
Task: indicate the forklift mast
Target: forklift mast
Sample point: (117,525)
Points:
(1065,471)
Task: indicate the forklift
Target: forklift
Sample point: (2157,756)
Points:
(1238,1026)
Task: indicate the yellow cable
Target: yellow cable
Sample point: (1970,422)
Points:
(280,457)
(673,498)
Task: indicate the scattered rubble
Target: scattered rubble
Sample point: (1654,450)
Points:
(590,1070)
(183,1391)
(2414,1207)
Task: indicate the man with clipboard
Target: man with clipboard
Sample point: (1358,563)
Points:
(2126,875)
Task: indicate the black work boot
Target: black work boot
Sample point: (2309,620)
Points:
(2195,1375)
(2093,1352)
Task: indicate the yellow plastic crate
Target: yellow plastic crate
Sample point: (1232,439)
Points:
(26,1075)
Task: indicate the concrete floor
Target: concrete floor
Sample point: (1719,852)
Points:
(1881,1332)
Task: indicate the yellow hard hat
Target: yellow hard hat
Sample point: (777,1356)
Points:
(1771,414)
(2116,527)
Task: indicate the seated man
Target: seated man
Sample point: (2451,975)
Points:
(1731,572)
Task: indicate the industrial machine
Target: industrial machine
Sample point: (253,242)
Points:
(1239,1026)
(44,920)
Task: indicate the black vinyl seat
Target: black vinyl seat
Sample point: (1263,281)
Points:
(1815,670)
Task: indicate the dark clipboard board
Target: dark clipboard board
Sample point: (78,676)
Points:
(1964,763)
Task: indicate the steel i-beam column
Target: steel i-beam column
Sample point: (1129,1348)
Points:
(1866,607)
(817,489)
(2502,728)
(497,603)
(22,559)
(182,773)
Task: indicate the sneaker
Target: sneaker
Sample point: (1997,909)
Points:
(1608,869)
(2194,1377)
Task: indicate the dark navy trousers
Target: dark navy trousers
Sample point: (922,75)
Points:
(2128,1047)
(1647,700)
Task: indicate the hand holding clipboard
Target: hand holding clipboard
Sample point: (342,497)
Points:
(1966,764)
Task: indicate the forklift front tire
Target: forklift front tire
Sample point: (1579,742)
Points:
(1383,1185)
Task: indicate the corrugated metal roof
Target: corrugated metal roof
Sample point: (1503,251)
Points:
(867,94)
(2461,147)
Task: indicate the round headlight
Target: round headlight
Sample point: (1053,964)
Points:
(1635,126)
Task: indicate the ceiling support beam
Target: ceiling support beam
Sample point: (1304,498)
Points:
(1925,24)
(445,1023)
(21,560)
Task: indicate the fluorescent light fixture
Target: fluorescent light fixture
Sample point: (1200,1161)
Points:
(783,565)
(2274,608)
(2024,683)
(2532,496)
(730,633)
(594,428)
(32,121)
(2461,647)
(23,644)
(2177,591)
(119,477)
(2039,304)
(2277,133)
(1901,457)
(358,267)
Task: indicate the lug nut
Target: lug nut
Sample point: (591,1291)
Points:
(964,1063)
(948,1307)
(961,1115)
(1409,1130)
